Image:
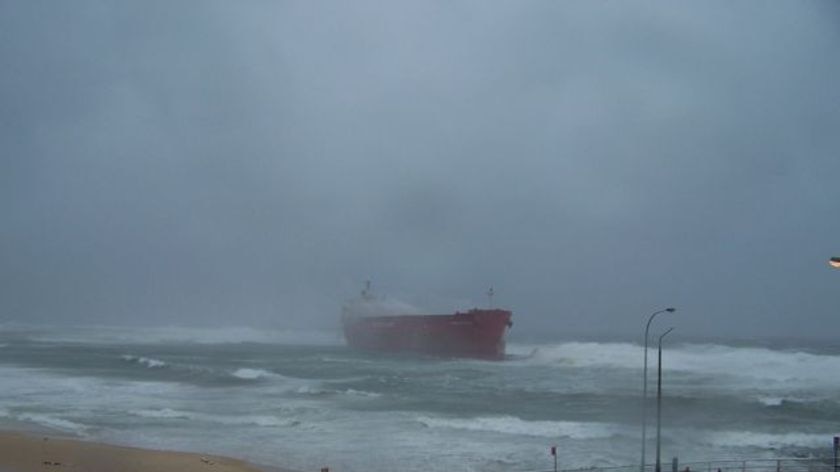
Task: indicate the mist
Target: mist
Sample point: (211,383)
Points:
(253,163)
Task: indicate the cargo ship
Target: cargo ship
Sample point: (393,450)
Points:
(372,324)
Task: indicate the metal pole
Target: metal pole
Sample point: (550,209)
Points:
(659,405)
(836,447)
(644,386)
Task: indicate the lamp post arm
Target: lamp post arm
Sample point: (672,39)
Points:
(649,321)
(663,335)
(644,385)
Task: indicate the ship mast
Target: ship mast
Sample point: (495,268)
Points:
(490,294)
(366,293)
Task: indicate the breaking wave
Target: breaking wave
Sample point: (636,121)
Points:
(770,401)
(317,391)
(579,354)
(53,422)
(210,374)
(144,361)
(253,374)
(741,439)
(710,359)
(517,426)
(162,413)
(266,421)
(361,393)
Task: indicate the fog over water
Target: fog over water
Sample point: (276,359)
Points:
(252,163)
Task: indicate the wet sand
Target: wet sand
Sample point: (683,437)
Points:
(22,452)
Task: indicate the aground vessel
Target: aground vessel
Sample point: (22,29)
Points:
(375,325)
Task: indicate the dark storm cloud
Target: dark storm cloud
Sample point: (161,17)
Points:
(241,163)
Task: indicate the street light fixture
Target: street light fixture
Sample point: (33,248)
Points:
(834,262)
(644,385)
(659,404)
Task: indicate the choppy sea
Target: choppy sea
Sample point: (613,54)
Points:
(303,400)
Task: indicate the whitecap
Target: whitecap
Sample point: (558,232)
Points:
(771,401)
(161,413)
(517,426)
(265,421)
(146,361)
(751,365)
(53,422)
(735,439)
(578,354)
(252,374)
(362,393)
(311,390)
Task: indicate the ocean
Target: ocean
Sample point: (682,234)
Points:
(302,400)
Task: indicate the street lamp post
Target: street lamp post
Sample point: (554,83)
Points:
(659,404)
(644,385)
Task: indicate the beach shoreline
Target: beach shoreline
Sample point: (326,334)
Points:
(29,451)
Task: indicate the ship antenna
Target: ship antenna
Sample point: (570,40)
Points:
(490,294)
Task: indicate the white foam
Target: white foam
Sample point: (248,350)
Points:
(740,439)
(146,361)
(799,397)
(53,422)
(266,421)
(580,354)
(20,384)
(770,401)
(362,393)
(783,366)
(517,426)
(751,363)
(310,390)
(162,413)
(252,374)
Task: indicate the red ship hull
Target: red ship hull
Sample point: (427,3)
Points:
(476,333)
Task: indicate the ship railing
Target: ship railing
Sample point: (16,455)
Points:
(723,465)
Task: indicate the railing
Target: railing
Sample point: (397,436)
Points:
(761,465)
(745,465)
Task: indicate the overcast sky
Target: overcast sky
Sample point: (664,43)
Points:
(254,162)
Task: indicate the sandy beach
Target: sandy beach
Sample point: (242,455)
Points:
(21,452)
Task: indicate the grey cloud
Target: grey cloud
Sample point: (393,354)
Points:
(224,163)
